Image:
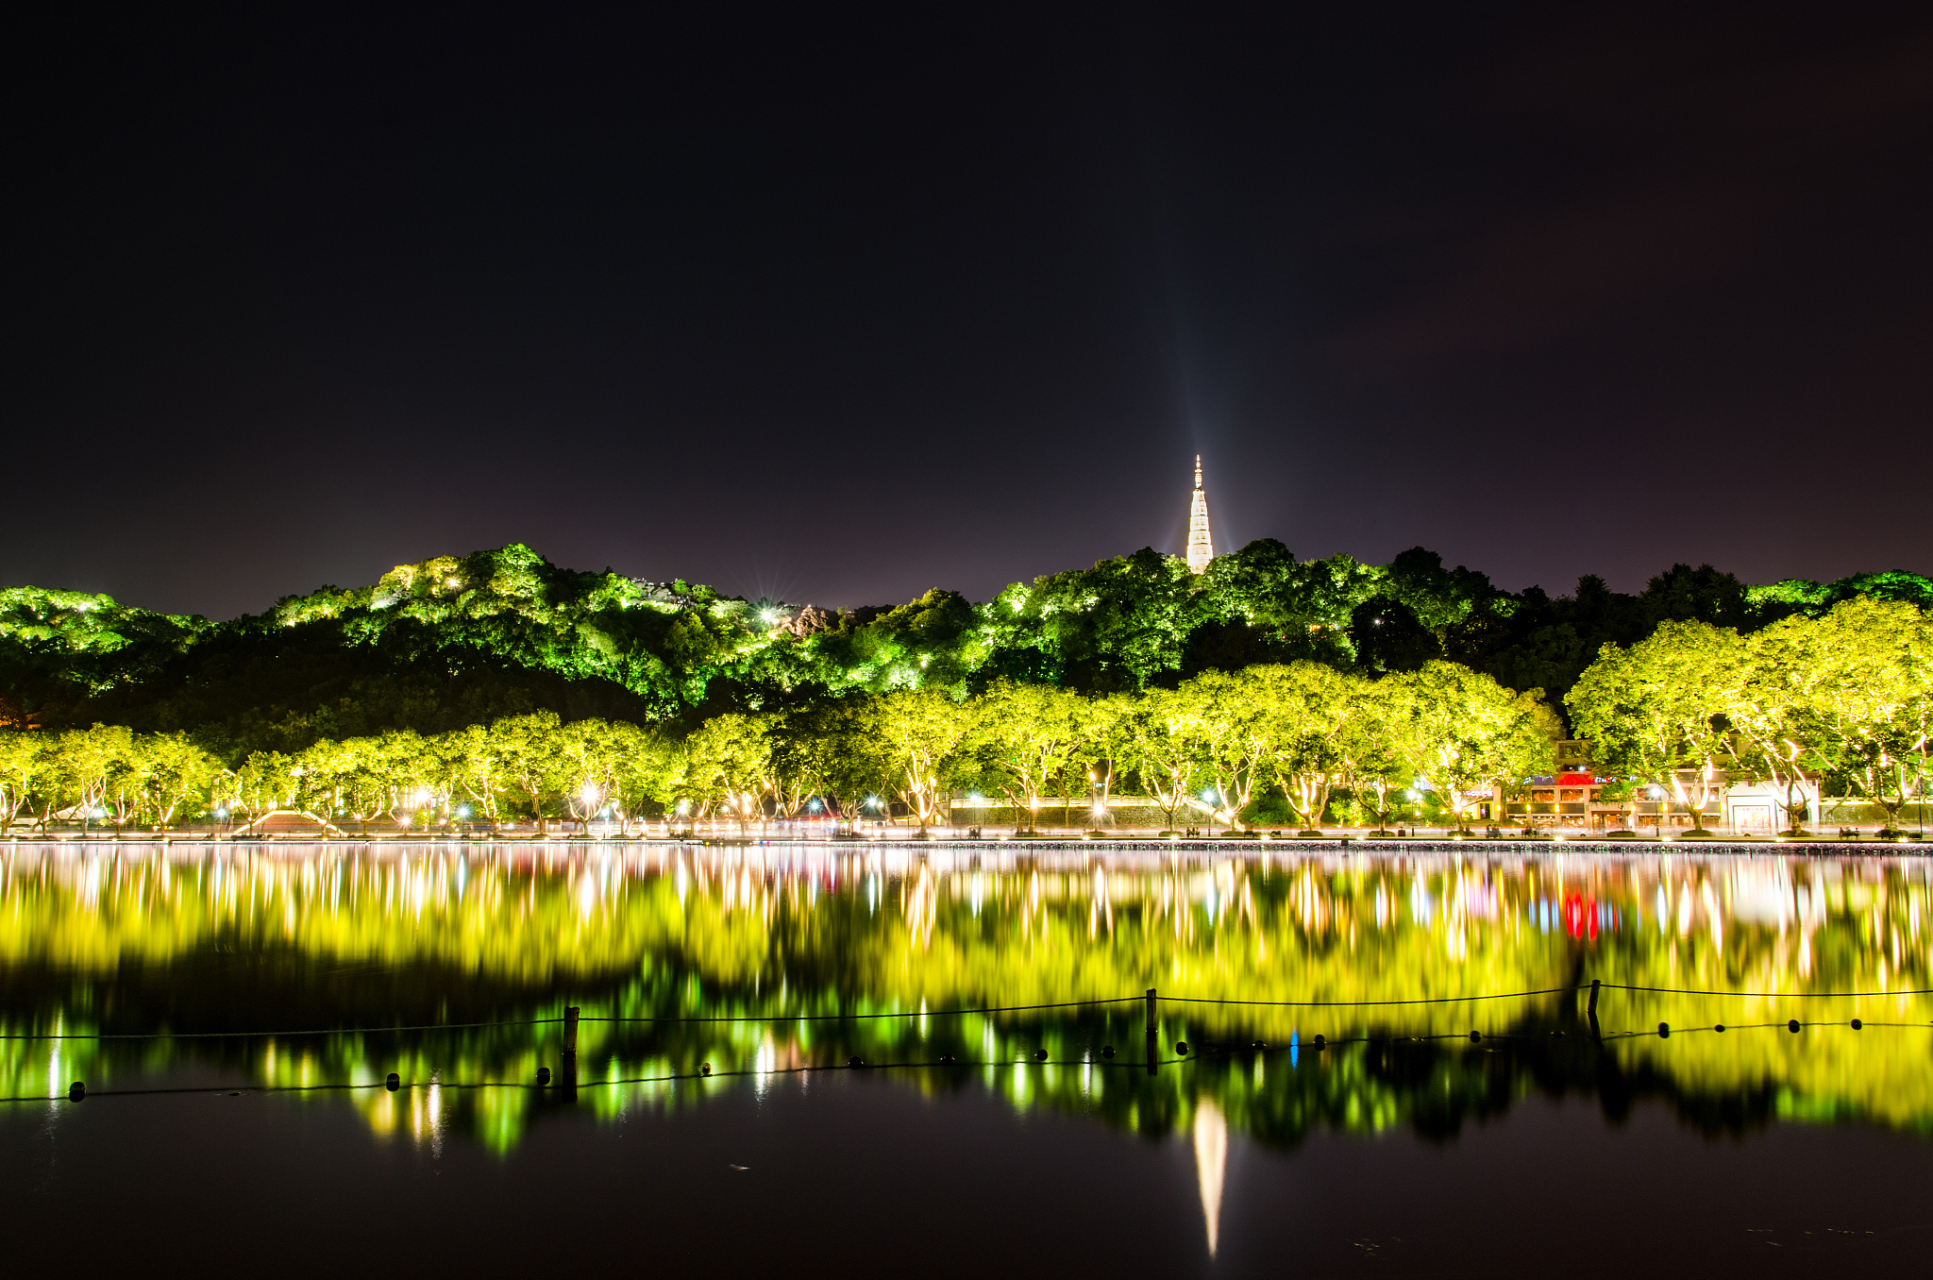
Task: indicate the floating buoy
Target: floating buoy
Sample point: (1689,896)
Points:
(1719,1027)
(1258,1045)
(543,1076)
(946,1059)
(1320,1042)
(1664,1031)
(1857,1024)
(705,1070)
(1793,1026)
(393,1083)
(1475,1036)
(1107,1051)
(76,1091)
(1181,1047)
(1040,1055)
(855,1062)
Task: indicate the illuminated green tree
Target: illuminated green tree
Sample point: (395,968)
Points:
(88,764)
(1024,737)
(480,768)
(1868,712)
(1233,721)
(1164,748)
(1468,735)
(650,770)
(1373,766)
(820,750)
(728,763)
(27,769)
(923,735)
(175,776)
(1319,717)
(1775,737)
(526,749)
(1655,711)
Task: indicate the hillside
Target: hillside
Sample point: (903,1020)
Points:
(462,640)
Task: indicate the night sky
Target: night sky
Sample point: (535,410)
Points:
(837,304)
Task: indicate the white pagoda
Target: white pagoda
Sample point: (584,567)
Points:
(1201,547)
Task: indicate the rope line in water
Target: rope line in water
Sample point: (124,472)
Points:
(946,1013)
(243,1035)
(1652,1033)
(1319,1004)
(1303,1046)
(556,1086)
(1771,995)
(758,1017)
(842,1017)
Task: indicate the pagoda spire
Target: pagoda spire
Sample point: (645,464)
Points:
(1201,547)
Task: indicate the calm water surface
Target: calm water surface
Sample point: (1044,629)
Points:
(1403,1146)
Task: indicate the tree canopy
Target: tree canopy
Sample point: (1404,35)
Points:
(461,641)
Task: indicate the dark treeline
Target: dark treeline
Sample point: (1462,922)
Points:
(457,641)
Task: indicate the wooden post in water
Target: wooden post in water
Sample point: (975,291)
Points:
(567,1073)
(1154,1047)
(1591,1009)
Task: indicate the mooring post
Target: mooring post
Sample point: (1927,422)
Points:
(1593,1006)
(1592,1011)
(567,1068)
(1154,1047)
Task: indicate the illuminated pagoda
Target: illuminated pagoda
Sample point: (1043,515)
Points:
(1201,547)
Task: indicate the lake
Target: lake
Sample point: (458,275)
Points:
(895,1058)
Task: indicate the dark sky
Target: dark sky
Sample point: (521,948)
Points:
(837,304)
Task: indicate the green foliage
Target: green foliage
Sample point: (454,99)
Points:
(461,641)
(1805,598)
(1847,695)
(1466,735)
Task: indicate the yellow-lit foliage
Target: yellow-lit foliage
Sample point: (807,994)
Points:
(487,934)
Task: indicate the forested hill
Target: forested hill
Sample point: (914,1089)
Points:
(464,640)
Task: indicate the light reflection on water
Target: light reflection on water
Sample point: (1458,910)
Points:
(139,939)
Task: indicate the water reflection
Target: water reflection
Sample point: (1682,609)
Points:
(805,945)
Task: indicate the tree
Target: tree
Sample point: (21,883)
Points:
(1772,734)
(265,782)
(1467,735)
(1102,732)
(1318,715)
(1372,758)
(176,774)
(479,767)
(650,769)
(27,769)
(923,734)
(1233,720)
(856,768)
(87,763)
(409,776)
(1164,746)
(1025,736)
(1113,627)
(613,768)
(1655,711)
(1388,637)
(728,760)
(1869,711)
(525,747)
